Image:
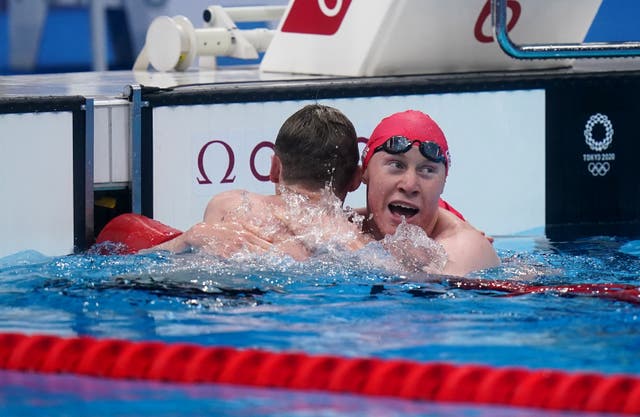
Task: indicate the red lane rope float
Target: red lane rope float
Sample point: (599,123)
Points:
(187,363)
(620,292)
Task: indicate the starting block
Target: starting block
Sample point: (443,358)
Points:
(394,37)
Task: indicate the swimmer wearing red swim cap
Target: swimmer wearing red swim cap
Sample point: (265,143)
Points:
(405,164)
(409,128)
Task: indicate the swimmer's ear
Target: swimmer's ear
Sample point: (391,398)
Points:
(356,180)
(276,168)
(443,185)
(364,175)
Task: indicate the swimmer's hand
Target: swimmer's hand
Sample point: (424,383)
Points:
(318,231)
(176,245)
(220,239)
(230,238)
(284,244)
(227,239)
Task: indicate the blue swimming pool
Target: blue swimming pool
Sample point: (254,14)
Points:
(336,304)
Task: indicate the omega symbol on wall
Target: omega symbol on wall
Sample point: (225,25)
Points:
(598,135)
(229,176)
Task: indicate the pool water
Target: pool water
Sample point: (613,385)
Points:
(29,395)
(337,304)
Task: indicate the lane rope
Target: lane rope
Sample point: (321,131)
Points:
(438,382)
(619,292)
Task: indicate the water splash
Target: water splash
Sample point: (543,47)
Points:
(415,250)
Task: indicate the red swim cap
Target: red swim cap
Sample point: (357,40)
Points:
(413,125)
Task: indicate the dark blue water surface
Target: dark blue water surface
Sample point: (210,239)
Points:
(334,304)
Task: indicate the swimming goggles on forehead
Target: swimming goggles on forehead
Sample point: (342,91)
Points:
(400,144)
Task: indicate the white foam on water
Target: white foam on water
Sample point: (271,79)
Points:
(298,239)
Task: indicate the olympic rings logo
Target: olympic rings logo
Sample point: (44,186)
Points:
(598,169)
(598,119)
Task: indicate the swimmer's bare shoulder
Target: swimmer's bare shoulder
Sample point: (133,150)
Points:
(235,204)
(467,248)
(224,203)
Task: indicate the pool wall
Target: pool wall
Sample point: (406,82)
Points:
(538,152)
(546,152)
(46,169)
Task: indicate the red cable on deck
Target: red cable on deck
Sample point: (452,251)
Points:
(111,358)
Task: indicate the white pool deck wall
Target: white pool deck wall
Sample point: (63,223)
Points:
(37,182)
(38,176)
(507,132)
(499,140)
(546,153)
(46,159)
(497,169)
(160,150)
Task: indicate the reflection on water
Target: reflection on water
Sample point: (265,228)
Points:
(57,395)
(349,304)
(345,303)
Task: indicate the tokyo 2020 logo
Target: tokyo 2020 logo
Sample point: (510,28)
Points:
(598,145)
(598,164)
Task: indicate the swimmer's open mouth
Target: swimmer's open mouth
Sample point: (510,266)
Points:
(403,210)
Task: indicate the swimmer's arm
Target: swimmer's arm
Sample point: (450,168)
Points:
(199,235)
(338,229)
(178,244)
(222,239)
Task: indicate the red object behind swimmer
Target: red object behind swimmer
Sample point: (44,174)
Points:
(448,207)
(136,232)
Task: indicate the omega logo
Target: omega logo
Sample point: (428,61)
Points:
(485,14)
(231,161)
(227,178)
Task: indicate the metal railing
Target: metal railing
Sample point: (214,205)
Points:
(555,51)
